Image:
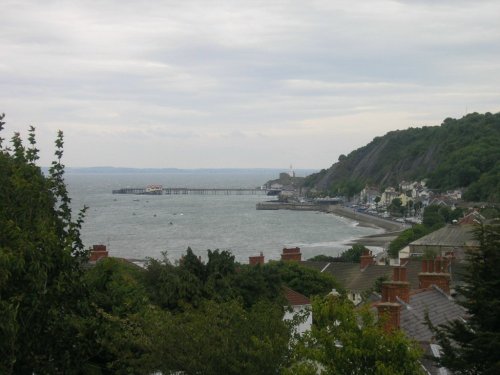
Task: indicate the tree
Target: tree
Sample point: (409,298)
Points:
(43,303)
(344,340)
(351,255)
(472,347)
(306,281)
(221,279)
(171,287)
(121,341)
(221,338)
(396,207)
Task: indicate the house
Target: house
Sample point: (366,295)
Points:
(407,309)
(298,304)
(368,195)
(388,195)
(356,278)
(453,239)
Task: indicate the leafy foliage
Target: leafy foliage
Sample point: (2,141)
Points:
(472,347)
(221,279)
(347,341)
(221,338)
(347,187)
(306,281)
(42,298)
(351,255)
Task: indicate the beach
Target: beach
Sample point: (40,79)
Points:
(391,228)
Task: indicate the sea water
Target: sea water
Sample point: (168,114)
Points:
(142,226)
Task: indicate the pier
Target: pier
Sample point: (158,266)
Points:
(192,191)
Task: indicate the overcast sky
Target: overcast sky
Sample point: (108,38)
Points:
(213,84)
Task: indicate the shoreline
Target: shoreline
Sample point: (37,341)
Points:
(391,229)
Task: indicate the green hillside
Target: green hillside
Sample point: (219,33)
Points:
(460,153)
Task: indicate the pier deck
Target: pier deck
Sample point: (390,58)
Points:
(196,191)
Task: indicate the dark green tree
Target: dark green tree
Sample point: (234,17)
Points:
(172,287)
(42,299)
(472,347)
(193,264)
(223,338)
(307,281)
(121,341)
(257,283)
(396,207)
(352,254)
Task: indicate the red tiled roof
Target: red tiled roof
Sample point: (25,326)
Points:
(473,218)
(295,298)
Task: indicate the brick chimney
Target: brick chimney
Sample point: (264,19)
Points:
(391,313)
(398,287)
(435,272)
(98,252)
(292,253)
(366,259)
(257,259)
(390,307)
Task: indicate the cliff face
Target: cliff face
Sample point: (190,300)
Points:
(456,154)
(381,162)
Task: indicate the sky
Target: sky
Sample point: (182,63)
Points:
(240,84)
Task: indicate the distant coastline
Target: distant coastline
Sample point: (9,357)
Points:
(127,170)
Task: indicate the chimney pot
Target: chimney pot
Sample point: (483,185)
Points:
(98,252)
(292,253)
(258,259)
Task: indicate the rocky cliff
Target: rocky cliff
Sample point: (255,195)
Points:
(458,153)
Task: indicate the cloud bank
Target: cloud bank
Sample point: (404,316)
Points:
(194,84)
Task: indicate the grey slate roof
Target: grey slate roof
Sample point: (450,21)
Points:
(452,235)
(350,276)
(440,307)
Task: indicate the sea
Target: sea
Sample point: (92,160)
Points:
(148,226)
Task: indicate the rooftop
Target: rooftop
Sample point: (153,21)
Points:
(440,307)
(350,276)
(295,298)
(452,235)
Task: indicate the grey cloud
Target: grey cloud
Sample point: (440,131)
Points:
(193,73)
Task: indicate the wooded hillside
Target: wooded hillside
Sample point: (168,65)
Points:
(460,153)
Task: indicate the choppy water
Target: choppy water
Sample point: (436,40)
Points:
(136,226)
